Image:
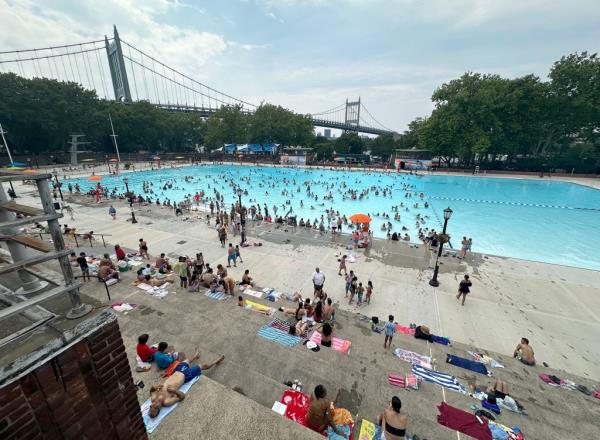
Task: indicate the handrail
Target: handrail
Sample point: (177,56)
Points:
(74,235)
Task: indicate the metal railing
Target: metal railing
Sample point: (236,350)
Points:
(84,236)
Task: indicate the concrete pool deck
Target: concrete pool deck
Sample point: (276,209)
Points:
(554,306)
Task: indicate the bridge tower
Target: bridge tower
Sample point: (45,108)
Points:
(116,63)
(353,114)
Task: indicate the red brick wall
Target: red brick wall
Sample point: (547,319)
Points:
(86,392)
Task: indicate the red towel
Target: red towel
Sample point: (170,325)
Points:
(464,422)
(395,380)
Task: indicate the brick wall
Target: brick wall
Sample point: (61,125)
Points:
(86,392)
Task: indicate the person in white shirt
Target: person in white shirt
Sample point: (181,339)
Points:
(318,280)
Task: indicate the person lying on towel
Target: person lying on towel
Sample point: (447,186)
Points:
(422,332)
(167,393)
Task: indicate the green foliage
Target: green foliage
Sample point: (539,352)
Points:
(349,143)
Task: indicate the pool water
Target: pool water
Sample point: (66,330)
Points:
(540,220)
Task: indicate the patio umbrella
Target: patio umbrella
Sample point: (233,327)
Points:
(360,218)
(16,164)
(95,178)
(156,158)
(113,160)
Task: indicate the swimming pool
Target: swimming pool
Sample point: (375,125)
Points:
(540,220)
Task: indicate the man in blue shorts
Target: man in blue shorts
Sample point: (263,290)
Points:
(168,393)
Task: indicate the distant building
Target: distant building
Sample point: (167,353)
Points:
(327,133)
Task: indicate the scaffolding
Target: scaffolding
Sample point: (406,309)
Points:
(33,291)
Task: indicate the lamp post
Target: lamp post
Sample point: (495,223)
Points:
(240,191)
(133,219)
(433,281)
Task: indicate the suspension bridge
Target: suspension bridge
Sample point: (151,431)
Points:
(117,70)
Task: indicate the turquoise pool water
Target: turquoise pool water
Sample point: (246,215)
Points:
(540,220)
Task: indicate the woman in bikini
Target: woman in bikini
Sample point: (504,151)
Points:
(392,421)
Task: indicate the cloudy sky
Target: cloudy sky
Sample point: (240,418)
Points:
(310,55)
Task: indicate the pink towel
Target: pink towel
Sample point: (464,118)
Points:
(395,380)
(337,344)
(405,330)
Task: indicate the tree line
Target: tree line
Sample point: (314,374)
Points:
(478,119)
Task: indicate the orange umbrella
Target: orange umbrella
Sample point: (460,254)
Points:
(95,178)
(156,158)
(113,160)
(360,218)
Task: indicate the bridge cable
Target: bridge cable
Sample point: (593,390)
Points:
(87,56)
(52,47)
(101,71)
(144,76)
(137,97)
(55,66)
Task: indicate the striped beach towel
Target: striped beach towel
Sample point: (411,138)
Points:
(284,326)
(216,295)
(396,380)
(278,336)
(413,358)
(441,379)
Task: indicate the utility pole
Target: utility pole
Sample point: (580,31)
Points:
(114,137)
(2,131)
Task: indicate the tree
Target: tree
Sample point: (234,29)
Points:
(349,142)
(275,124)
(226,126)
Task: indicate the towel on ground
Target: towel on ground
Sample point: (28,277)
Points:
(368,430)
(284,326)
(413,358)
(337,344)
(441,379)
(216,295)
(405,330)
(485,359)
(259,307)
(144,286)
(467,364)
(463,421)
(152,423)
(440,340)
(408,381)
(278,336)
(254,293)
(297,405)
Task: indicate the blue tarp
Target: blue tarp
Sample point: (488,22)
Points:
(229,148)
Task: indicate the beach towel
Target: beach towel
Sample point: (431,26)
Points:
(297,405)
(463,421)
(440,340)
(467,364)
(144,286)
(396,380)
(216,295)
(259,307)
(337,344)
(170,369)
(413,358)
(278,336)
(284,326)
(485,359)
(254,293)
(152,423)
(344,429)
(441,379)
(368,430)
(405,330)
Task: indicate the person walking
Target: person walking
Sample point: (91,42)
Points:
(144,249)
(112,212)
(342,265)
(464,288)
(222,235)
(389,328)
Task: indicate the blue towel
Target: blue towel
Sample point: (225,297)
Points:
(216,295)
(278,336)
(440,340)
(344,429)
(441,379)
(152,423)
(467,364)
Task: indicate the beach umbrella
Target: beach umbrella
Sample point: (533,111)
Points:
(156,158)
(360,218)
(95,178)
(113,160)
(15,168)
(16,164)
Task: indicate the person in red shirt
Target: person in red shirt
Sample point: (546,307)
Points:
(120,253)
(145,352)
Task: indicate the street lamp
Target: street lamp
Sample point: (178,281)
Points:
(240,191)
(133,219)
(433,281)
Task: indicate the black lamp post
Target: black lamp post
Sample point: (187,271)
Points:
(433,281)
(240,191)
(133,219)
